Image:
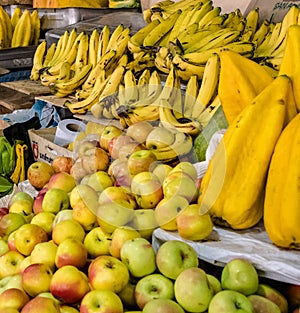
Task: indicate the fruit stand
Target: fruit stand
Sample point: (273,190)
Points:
(150,158)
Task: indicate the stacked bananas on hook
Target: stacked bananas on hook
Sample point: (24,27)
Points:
(19,30)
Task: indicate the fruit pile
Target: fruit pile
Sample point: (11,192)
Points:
(19,30)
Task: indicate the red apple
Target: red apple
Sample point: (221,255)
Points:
(3,211)
(39,174)
(62,164)
(116,143)
(109,132)
(38,200)
(13,298)
(62,180)
(40,304)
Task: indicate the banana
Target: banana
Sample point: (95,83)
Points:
(214,12)
(190,96)
(142,61)
(4,16)
(185,69)
(121,46)
(217,20)
(131,90)
(38,59)
(206,7)
(163,60)
(104,37)
(65,72)
(111,87)
(136,40)
(209,85)
(49,54)
(261,33)
(114,37)
(161,29)
(48,79)
(143,84)
(22,32)
(16,15)
(58,49)
(252,23)
(95,72)
(36,27)
(190,30)
(93,47)
(2,35)
(82,55)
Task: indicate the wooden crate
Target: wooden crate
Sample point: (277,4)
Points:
(70,4)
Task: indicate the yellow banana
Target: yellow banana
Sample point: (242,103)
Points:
(38,59)
(215,11)
(114,37)
(190,96)
(2,35)
(58,49)
(22,32)
(17,13)
(200,13)
(82,55)
(103,41)
(95,72)
(4,16)
(131,90)
(143,84)
(93,47)
(49,54)
(261,33)
(36,27)
(65,72)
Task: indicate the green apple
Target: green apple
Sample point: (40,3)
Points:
(44,220)
(63,181)
(153,286)
(230,301)
(141,161)
(167,210)
(10,263)
(96,242)
(192,225)
(11,281)
(139,256)
(214,283)
(108,272)
(39,174)
(69,284)
(240,275)
(192,290)
(119,236)
(162,306)
(41,304)
(55,200)
(13,298)
(263,305)
(101,301)
(3,246)
(68,228)
(100,180)
(161,170)
(274,295)
(44,252)
(139,131)
(20,195)
(64,308)
(9,223)
(71,251)
(127,294)
(36,278)
(174,256)
(23,207)
(109,132)
(27,236)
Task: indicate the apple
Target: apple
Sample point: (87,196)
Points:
(162,306)
(114,214)
(10,263)
(167,210)
(83,145)
(139,131)
(62,215)
(140,161)
(214,283)
(109,132)
(161,171)
(227,301)
(240,275)
(62,163)
(274,295)
(38,200)
(101,301)
(27,236)
(153,286)
(69,284)
(41,304)
(183,186)
(131,147)
(160,137)
(144,222)
(44,252)
(84,194)
(108,272)
(36,278)
(3,246)
(39,174)
(139,256)
(11,281)
(96,242)
(68,228)
(116,143)
(23,207)
(192,225)
(63,181)
(85,216)
(48,294)
(10,222)
(100,180)
(175,256)
(11,241)
(192,290)
(293,294)
(296,310)
(261,304)
(26,262)
(119,170)
(116,193)
(9,310)
(55,200)
(13,298)
(64,308)
(119,236)
(95,159)
(187,168)
(20,195)
(127,294)
(78,171)
(3,211)
(71,251)
(44,220)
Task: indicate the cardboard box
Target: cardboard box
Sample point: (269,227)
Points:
(43,146)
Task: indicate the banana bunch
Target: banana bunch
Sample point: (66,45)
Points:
(20,30)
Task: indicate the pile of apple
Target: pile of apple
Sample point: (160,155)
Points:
(83,242)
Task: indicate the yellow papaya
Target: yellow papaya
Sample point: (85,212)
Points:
(232,188)
(282,195)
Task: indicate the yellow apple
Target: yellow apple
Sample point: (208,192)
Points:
(100,180)
(55,200)
(3,246)
(40,304)
(161,170)
(23,207)
(141,161)
(68,228)
(20,195)
(131,147)
(13,298)
(192,225)
(69,284)
(139,131)
(97,242)
(10,263)
(25,263)
(160,137)
(27,236)
(44,220)
(109,132)
(84,194)
(9,223)
(11,241)
(62,180)
(78,171)
(119,236)
(64,308)
(187,168)
(85,216)
(167,210)
(44,252)
(62,215)
(39,174)
(36,279)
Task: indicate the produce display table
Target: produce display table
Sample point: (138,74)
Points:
(254,244)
